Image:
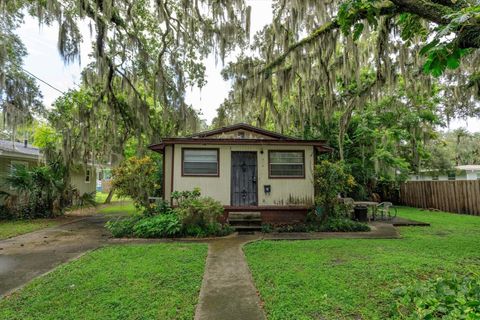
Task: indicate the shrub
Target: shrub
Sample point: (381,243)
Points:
(137,178)
(167,225)
(199,211)
(195,216)
(122,227)
(160,207)
(343,225)
(331,179)
(453,297)
(37,192)
(213,229)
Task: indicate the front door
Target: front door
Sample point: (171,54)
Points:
(244,179)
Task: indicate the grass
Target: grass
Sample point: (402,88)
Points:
(100,197)
(160,281)
(119,209)
(354,279)
(12,228)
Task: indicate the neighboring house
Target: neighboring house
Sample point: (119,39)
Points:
(104,178)
(464,172)
(247,169)
(14,154)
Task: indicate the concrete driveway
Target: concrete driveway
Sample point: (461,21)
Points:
(27,256)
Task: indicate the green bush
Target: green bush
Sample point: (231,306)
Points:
(331,179)
(195,210)
(343,225)
(194,217)
(137,178)
(167,225)
(214,229)
(122,227)
(453,297)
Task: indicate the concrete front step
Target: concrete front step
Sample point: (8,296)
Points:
(248,228)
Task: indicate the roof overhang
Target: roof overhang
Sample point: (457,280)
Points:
(320,145)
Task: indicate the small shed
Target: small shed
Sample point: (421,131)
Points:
(247,169)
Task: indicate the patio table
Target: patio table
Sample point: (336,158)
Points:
(369,204)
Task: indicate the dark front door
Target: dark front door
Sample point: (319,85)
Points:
(244,179)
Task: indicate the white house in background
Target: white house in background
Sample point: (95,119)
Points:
(23,154)
(463,172)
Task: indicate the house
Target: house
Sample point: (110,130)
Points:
(14,154)
(463,172)
(247,169)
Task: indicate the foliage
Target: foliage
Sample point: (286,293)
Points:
(354,279)
(331,179)
(160,226)
(194,216)
(199,211)
(122,227)
(343,225)
(153,281)
(137,178)
(37,192)
(451,297)
(337,224)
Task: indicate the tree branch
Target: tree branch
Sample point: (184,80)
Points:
(326,27)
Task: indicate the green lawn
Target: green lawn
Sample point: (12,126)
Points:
(100,197)
(12,228)
(160,281)
(119,209)
(353,279)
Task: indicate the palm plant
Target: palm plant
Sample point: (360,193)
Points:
(34,191)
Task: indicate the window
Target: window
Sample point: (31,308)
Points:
(286,164)
(200,162)
(87,176)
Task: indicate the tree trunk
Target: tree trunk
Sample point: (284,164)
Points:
(110,196)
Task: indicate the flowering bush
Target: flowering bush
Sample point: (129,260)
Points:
(137,178)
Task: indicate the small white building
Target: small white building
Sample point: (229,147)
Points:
(463,172)
(247,169)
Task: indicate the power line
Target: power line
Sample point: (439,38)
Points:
(39,79)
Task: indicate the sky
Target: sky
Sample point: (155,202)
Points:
(45,62)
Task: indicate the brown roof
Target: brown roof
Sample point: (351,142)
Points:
(204,138)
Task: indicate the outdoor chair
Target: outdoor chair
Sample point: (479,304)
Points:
(385,211)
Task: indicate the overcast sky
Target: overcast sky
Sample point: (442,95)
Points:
(44,61)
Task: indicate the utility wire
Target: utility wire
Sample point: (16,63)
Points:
(39,79)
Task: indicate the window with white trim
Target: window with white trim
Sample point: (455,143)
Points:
(88,174)
(200,162)
(286,164)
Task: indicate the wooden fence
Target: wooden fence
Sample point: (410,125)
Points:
(461,196)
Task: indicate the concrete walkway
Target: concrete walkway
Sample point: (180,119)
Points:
(30,255)
(227,290)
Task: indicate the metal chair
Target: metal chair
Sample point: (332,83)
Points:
(385,211)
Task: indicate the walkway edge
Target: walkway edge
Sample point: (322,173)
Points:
(20,287)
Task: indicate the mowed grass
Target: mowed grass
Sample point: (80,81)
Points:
(124,208)
(354,279)
(160,281)
(12,228)
(100,197)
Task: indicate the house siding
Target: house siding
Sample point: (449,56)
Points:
(298,192)
(77,179)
